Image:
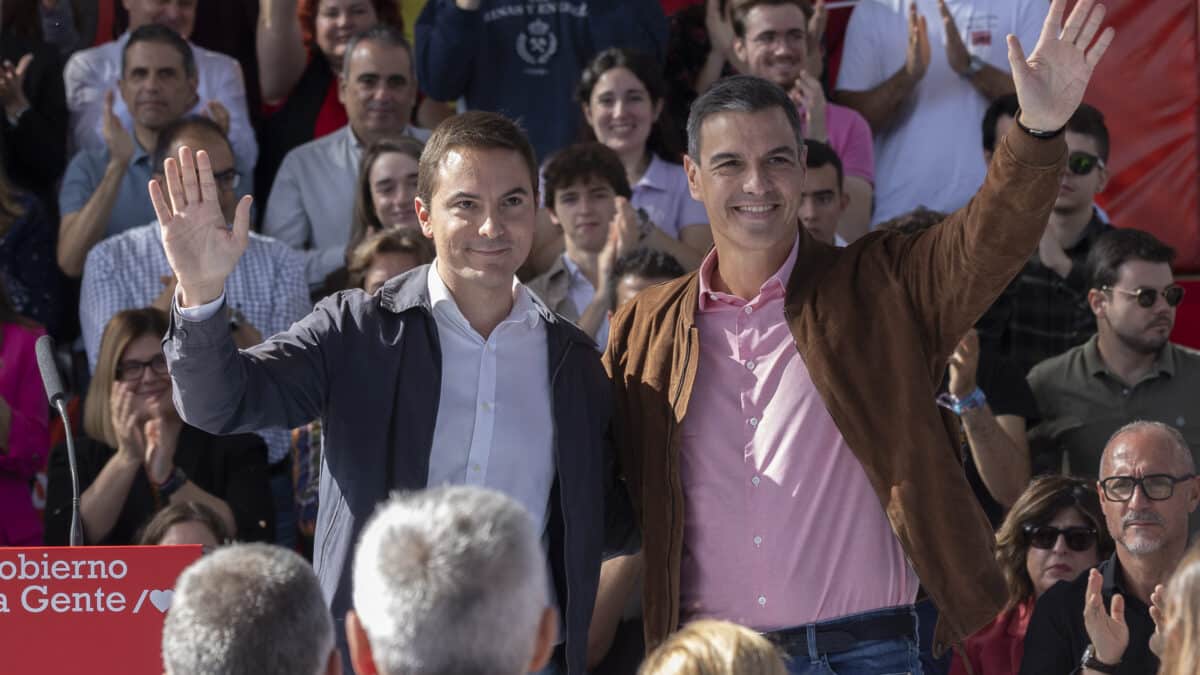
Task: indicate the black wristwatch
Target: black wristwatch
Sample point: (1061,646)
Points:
(1036,133)
(173,482)
(1090,662)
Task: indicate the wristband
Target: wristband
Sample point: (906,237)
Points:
(173,482)
(975,400)
(1036,133)
(1090,662)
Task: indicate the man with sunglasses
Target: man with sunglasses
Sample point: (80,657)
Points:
(1044,311)
(1101,621)
(1129,370)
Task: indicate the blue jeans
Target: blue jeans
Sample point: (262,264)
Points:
(870,657)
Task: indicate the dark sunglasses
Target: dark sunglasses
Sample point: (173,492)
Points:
(1045,537)
(1081,163)
(1156,486)
(1146,297)
(131,371)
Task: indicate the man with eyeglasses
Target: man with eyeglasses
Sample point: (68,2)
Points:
(267,291)
(310,205)
(1130,370)
(1101,621)
(1044,311)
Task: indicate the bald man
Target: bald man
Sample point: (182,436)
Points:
(1101,621)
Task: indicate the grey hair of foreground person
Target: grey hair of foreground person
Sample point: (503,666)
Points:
(450,581)
(742,94)
(249,609)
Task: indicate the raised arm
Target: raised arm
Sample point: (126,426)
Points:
(880,103)
(280,49)
(955,270)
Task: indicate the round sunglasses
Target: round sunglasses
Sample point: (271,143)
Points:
(1046,536)
(1081,163)
(1146,297)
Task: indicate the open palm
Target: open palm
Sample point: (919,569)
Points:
(1050,83)
(201,248)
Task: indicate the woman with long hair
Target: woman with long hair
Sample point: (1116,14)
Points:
(1054,532)
(1180,622)
(137,456)
(622,95)
(24,426)
(387,186)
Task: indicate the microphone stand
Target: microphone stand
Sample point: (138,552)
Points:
(76,536)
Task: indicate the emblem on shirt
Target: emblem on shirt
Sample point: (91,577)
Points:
(536,44)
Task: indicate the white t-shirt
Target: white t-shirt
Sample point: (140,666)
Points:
(932,154)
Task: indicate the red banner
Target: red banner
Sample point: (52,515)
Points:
(95,610)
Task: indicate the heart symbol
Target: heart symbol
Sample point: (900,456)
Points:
(161,600)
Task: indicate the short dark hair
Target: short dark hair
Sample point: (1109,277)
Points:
(177,129)
(478,130)
(740,93)
(154,32)
(1006,105)
(821,154)
(580,162)
(383,33)
(741,9)
(1117,247)
(154,531)
(1089,121)
(917,220)
(664,139)
(366,219)
(647,263)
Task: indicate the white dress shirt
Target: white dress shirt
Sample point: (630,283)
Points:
(91,73)
(581,292)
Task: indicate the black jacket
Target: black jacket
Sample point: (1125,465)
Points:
(370,368)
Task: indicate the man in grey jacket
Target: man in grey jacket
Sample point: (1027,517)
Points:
(451,373)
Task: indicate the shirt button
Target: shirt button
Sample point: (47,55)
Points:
(758,541)
(753,422)
(475,468)
(750,365)
(1124,392)
(762,600)
(749,309)
(486,405)
(712,296)
(756,480)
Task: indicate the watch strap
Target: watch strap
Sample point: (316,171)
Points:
(1092,663)
(173,482)
(1036,133)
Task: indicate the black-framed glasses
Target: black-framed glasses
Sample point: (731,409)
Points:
(1081,163)
(228,179)
(1146,297)
(1046,536)
(131,371)
(1156,486)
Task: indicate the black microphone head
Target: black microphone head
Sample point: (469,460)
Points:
(49,369)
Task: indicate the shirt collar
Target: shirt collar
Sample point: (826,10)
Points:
(524,309)
(657,175)
(1164,364)
(712,300)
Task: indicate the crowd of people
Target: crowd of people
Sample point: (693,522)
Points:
(505,336)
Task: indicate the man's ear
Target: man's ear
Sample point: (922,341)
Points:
(547,635)
(692,169)
(1096,301)
(360,647)
(423,218)
(739,49)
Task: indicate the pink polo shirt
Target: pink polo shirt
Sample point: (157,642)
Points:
(781,526)
(850,137)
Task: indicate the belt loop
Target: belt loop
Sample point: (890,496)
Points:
(810,635)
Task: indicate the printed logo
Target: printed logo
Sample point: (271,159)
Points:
(162,600)
(537,44)
(981,38)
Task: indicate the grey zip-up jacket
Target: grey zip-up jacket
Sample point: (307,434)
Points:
(370,368)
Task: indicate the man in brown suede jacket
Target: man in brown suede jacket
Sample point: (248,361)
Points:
(775,409)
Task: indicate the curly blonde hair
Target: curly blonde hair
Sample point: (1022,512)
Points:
(714,648)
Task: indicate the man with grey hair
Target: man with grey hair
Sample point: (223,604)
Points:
(310,204)
(1101,622)
(249,609)
(450,581)
(788,479)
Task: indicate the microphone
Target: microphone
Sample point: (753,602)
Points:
(54,393)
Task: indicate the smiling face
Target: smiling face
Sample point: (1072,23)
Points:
(1047,567)
(775,43)
(339,20)
(152,390)
(621,112)
(378,91)
(155,86)
(584,211)
(393,184)
(481,216)
(750,177)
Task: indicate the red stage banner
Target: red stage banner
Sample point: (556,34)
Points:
(94,609)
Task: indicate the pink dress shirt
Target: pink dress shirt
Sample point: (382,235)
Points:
(24,452)
(781,526)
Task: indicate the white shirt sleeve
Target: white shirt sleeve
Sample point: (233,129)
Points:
(85,89)
(862,63)
(200,312)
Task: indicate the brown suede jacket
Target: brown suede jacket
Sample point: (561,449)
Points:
(875,324)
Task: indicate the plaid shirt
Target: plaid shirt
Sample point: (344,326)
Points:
(1041,314)
(125,271)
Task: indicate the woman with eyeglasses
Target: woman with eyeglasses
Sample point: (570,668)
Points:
(1054,532)
(137,456)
